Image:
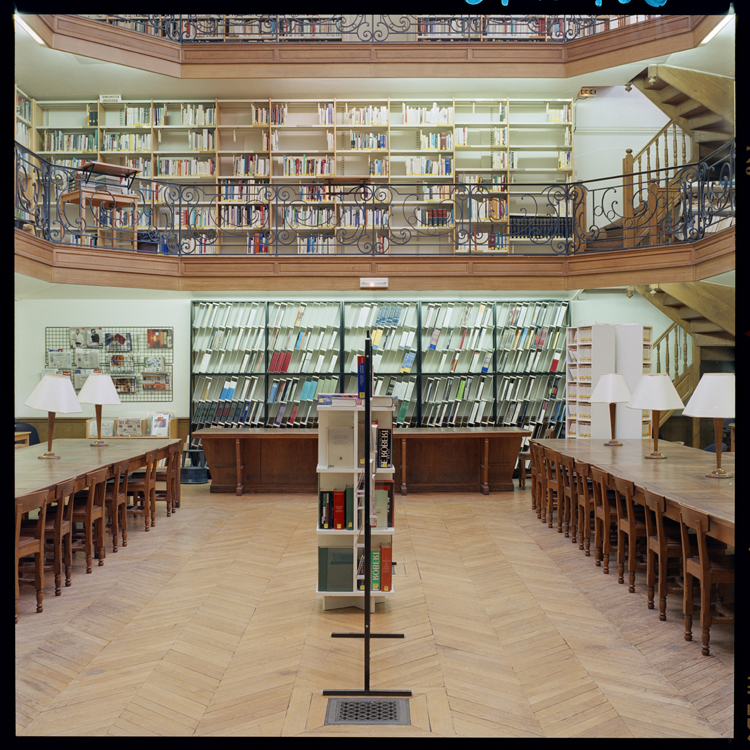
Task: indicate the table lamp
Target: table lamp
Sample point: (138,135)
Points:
(54,393)
(714,397)
(655,392)
(98,389)
(612,389)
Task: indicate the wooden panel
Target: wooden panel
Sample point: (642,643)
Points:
(38,258)
(285,464)
(405,60)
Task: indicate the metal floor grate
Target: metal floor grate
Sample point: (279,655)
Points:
(368,711)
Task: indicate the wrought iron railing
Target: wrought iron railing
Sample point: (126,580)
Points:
(386,215)
(367,28)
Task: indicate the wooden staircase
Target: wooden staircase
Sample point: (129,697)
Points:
(702,104)
(704,312)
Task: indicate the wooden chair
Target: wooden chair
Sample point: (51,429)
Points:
(116,501)
(663,544)
(709,567)
(142,486)
(31,542)
(524,455)
(570,495)
(541,501)
(554,486)
(170,476)
(584,505)
(58,529)
(88,511)
(536,469)
(631,524)
(605,517)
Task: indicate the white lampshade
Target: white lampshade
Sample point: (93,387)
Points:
(655,391)
(54,393)
(98,389)
(611,388)
(713,397)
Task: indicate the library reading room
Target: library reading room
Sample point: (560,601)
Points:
(374,375)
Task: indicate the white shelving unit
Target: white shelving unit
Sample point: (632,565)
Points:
(633,360)
(593,351)
(590,354)
(342,471)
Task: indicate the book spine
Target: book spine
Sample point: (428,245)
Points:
(384,448)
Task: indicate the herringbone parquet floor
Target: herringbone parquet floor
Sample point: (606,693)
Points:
(208,625)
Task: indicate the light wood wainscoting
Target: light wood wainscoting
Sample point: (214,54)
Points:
(66,264)
(75,427)
(661,36)
(209,626)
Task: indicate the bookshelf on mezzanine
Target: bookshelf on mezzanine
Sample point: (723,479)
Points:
(238,150)
(263,364)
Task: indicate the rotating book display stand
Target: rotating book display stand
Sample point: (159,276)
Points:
(369,489)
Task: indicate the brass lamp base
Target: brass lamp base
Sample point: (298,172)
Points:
(720,474)
(611,443)
(655,455)
(99,444)
(48,455)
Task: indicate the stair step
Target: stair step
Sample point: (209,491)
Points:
(717,354)
(711,136)
(705,120)
(671,95)
(704,326)
(688,107)
(721,338)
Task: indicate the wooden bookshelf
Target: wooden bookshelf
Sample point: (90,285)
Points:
(330,153)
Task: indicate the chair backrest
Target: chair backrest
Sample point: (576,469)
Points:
(26,504)
(552,461)
(655,506)
(64,510)
(26,427)
(120,476)
(567,466)
(600,483)
(700,522)
(624,490)
(581,474)
(96,482)
(712,448)
(151,466)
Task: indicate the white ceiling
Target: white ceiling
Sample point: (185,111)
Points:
(43,73)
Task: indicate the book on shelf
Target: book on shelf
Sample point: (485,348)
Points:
(384,448)
(386,567)
(335,568)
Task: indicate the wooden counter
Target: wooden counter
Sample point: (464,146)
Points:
(469,459)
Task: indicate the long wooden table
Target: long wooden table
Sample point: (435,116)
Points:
(680,477)
(440,459)
(78,458)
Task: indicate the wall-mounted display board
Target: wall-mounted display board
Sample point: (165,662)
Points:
(139,359)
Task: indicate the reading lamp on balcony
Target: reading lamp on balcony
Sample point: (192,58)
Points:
(655,392)
(53,394)
(714,398)
(612,389)
(98,389)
